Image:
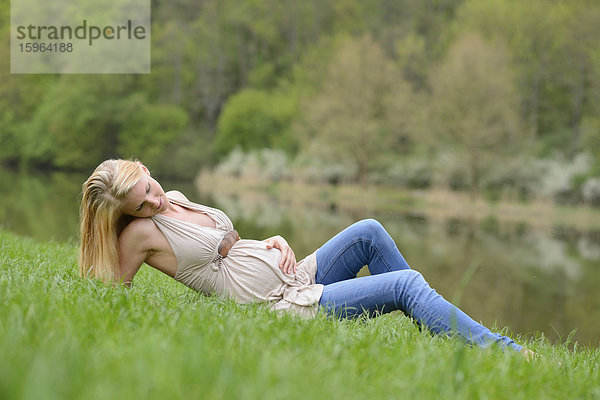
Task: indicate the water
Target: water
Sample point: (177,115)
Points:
(529,279)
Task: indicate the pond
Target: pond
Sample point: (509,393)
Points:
(529,279)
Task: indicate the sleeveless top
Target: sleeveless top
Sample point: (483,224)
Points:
(249,273)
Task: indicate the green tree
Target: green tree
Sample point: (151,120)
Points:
(552,44)
(149,131)
(83,121)
(19,96)
(475,106)
(254,119)
(350,118)
(580,46)
(74,125)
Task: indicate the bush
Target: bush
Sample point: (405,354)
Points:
(557,180)
(590,191)
(254,119)
(233,164)
(416,174)
(519,175)
(269,164)
(317,170)
(449,170)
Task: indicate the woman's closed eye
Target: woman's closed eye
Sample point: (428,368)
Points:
(142,205)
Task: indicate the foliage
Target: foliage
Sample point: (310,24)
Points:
(475,105)
(149,129)
(415,173)
(558,177)
(74,126)
(19,97)
(591,191)
(255,119)
(184,157)
(345,83)
(554,57)
(348,121)
(111,121)
(267,164)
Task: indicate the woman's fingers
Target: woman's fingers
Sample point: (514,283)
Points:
(287,262)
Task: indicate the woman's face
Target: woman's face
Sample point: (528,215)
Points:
(146,198)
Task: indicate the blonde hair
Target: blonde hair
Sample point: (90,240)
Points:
(102,219)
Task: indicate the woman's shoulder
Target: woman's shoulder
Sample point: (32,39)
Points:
(139,230)
(176,194)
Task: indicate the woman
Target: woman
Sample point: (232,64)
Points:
(127,220)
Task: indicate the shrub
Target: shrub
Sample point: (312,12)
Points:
(254,119)
(557,179)
(590,191)
(417,174)
(317,170)
(259,164)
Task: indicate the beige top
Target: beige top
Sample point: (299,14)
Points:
(249,273)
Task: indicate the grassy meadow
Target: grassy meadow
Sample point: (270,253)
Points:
(62,337)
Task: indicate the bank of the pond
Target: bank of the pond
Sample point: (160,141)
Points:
(62,337)
(430,204)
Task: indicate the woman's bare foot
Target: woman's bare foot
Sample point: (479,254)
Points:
(528,354)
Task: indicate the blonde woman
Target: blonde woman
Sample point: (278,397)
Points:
(127,220)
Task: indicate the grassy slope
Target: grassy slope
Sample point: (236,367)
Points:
(62,337)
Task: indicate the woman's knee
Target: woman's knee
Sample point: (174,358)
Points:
(370,227)
(408,280)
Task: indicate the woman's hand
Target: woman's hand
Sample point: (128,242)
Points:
(287,262)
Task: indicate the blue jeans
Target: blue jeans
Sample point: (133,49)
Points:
(391,286)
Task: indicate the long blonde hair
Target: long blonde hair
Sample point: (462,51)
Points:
(102,219)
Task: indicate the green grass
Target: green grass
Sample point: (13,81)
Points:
(62,337)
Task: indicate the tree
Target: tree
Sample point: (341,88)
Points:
(82,121)
(348,120)
(552,44)
(19,96)
(74,125)
(149,130)
(255,119)
(475,105)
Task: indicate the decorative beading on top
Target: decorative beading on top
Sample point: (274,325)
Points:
(217,262)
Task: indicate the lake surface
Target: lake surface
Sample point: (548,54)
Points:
(528,279)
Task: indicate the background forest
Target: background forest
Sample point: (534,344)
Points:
(500,97)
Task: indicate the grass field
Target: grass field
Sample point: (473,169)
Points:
(66,338)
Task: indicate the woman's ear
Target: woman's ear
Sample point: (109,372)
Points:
(143,167)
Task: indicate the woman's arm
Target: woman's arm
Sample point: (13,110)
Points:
(287,263)
(133,251)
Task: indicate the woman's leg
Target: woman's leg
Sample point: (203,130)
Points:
(407,290)
(363,243)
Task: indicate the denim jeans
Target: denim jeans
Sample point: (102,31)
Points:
(392,285)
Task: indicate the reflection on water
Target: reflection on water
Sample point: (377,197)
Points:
(45,206)
(529,279)
(41,206)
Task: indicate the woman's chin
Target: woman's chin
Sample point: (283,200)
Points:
(164,205)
